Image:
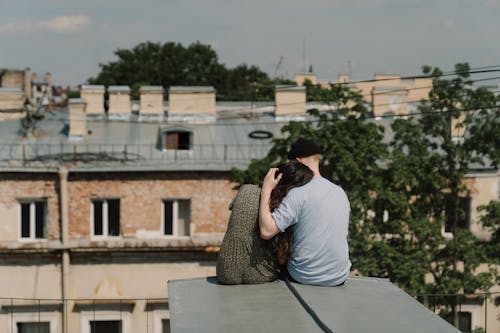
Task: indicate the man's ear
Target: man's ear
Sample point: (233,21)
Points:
(300,159)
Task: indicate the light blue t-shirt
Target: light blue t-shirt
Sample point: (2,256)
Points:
(319,213)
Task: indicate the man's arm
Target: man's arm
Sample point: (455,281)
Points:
(267,225)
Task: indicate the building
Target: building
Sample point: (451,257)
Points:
(17,87)
(100,209)
(386,94)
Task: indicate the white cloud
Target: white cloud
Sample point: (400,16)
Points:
(58,25)
(492,3)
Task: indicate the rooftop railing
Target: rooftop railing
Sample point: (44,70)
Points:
(151,315)
(91,153)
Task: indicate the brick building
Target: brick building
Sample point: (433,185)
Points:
(98,210)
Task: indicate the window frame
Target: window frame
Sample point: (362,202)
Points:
(34,317)
(105,219)
(32,220)
(105,315)
(175,218)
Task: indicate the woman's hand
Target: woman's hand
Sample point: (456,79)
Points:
(270,181)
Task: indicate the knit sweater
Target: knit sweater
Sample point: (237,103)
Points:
(243,256)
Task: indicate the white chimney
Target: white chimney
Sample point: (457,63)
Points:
(151,100)
(119,100)
(77,118)
(93,95)
(191,101)
(290,100)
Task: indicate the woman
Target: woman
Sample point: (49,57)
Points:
(244,257)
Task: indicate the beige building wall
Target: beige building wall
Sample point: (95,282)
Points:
(77,117)
(290,100)
(151,100)
(191,101)
(119,100)
(484,188)
(389,93)
(93,95)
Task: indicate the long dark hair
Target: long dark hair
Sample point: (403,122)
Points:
(294,174)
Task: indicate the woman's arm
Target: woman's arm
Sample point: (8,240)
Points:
(267,225)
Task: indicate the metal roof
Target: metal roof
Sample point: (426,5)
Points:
(360,305)
(118,89)
(134,143)
(191,89)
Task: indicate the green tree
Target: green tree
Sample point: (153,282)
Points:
(425,192)
(171,64)
(405,194)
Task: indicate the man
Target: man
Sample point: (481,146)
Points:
(318,212)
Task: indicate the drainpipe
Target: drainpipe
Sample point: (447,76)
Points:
(63,198)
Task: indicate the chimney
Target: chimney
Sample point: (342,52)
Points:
(300,78)
(93,95)
(191,101)
(50,82)
(119,100)
(290,100)
(77,118)
(27,83)
(343,78)
(151,100)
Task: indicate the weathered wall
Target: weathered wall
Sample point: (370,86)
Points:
(192,103)
(141,197)
(15,186)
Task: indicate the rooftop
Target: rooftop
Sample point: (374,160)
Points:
(361,305)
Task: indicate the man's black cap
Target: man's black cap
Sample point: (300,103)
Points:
(303,148)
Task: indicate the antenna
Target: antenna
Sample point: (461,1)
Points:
(278,66)
(304,55)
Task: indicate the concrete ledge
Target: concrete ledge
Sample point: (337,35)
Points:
(361,305)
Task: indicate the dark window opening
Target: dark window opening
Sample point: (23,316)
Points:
(40,220)
(462,215)
(165,326)
(25,220)
(106,217)
(464,321)
(177,217)
(169,222)
(98,227)
(33,327)
(178,140)
(33,219)
(106,326)
(114,217)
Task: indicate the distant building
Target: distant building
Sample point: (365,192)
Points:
(386,94)
(18,87)
(99,209)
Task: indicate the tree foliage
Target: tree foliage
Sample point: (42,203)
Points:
(171,64)
(406,190)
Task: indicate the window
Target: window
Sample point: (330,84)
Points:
(105,326)
(464,321)
(33,327)
(176,217)
(165,326)
(178,140)
(106,217)
(463,215)
(33,222)
(105,318)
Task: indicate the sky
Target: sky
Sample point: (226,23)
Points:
(362,37)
